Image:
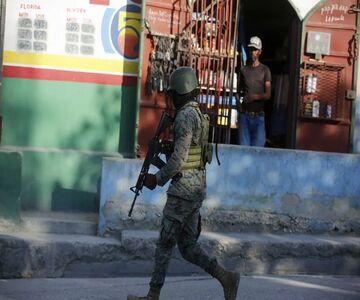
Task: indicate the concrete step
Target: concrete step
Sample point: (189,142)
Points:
(228,220)
(59,222)
(62,255)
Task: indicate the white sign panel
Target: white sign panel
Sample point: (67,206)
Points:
(88,36)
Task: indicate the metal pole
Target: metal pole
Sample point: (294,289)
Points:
(235,39)
(353,129)
(2,26)
(139,80)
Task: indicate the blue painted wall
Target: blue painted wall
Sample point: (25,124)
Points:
(300,183)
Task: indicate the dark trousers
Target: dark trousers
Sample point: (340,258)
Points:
(181,225)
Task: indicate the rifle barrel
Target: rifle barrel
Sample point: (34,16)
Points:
(133,203)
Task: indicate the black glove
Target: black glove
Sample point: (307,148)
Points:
(150,181)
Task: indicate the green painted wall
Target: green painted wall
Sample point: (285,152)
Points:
(60,180)
(63,114)
(10,185)
(63,129)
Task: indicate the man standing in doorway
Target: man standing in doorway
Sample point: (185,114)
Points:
(254,88)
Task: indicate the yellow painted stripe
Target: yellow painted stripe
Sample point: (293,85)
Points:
(70,62)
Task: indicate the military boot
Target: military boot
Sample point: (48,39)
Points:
(153,294)
(229,281)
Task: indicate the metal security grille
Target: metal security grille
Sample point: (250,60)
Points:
(210,48)
(324,83)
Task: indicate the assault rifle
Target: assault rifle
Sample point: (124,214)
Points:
(155,147)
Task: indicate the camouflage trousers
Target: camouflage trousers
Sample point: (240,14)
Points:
(181,226)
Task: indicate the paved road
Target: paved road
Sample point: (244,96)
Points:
(176,288)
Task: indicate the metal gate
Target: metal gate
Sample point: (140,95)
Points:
(210,48)
(201,34)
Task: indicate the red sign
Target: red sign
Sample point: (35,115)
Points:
(101,2)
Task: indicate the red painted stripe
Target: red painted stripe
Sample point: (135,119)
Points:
(101,2)
(57,75)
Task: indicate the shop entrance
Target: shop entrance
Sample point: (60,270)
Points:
(209,35)
(313,68)
(212,36)
(279,28)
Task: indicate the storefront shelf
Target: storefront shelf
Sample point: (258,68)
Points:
(326,120)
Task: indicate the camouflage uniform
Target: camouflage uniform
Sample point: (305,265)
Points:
(181,223)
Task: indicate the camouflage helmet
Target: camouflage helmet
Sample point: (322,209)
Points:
(183,80)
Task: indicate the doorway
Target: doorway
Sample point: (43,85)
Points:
(279,28)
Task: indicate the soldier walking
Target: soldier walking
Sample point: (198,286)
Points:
(181,222)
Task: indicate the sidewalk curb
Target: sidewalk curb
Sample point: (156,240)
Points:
(25,255)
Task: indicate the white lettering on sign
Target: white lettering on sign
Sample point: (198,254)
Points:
(332,19)
(156,16)
(333,8)
(334,13)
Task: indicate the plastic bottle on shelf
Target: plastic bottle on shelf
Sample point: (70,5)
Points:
(314,83)
(328,111)
(234,81)
(232,49)
(309,83)
(315,108)
(308,106)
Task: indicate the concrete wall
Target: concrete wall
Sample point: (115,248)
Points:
(305,184)
(10,185)
(60,180)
